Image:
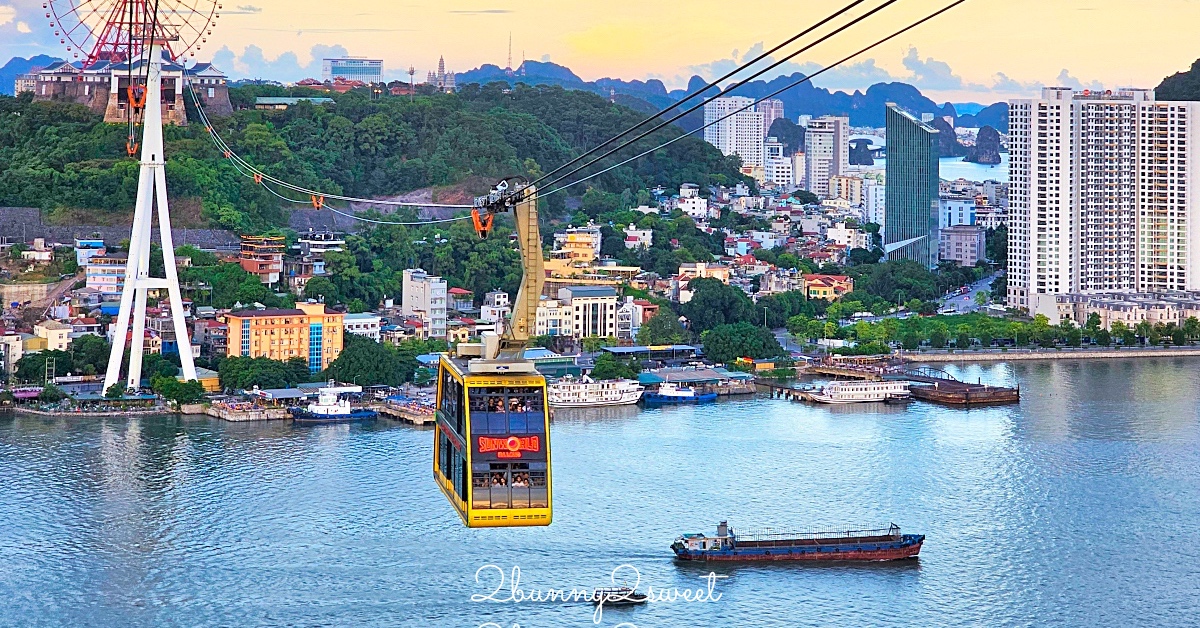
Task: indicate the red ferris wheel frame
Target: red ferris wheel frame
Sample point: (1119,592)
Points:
(114,30)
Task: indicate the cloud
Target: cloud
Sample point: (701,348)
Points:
(1065,79)
(929,73)
(244,9)
(481,12)
(252,63)
(7,14)
(22,27)
(546,58)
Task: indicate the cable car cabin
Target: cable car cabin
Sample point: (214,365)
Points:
(492,442)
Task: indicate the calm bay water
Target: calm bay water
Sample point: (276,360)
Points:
(1079,507)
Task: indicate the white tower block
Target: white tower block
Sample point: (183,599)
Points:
(152,184)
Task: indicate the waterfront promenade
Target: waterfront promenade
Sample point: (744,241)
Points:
(1013,355)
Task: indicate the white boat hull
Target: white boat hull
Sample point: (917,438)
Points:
(625,400)
(586,393)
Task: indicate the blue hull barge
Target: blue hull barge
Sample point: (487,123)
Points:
(669,393)
(331,408)
(852,545)
(300,415)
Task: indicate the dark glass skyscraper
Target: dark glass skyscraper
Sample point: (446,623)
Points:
(910,215)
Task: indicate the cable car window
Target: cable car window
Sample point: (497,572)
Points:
(519,485)
(499,479)
(481,492)
(451,402)
(537,490)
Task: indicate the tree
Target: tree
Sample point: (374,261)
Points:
(1144,330)
(663,328)
(1093,322)
(368,363)
(609,367)
(51,394)
(157,365)
(90,351)
(982,298)
(172,389)
(939,335)
(321,289)
(726,343)
(1191,327)
(116,391)
(714,303)
(996,245)
(1103,337)
(32,367)
(240,373)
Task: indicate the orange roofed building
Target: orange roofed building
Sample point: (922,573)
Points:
(828,287)
(311,331)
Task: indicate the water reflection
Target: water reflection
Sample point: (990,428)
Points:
(167,521)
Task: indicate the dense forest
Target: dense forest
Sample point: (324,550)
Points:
(57,155)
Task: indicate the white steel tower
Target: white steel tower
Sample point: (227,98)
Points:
(152,185)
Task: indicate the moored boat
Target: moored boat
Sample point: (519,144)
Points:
(330,409)
(618,596)
(851,545)
(668,393)
(584,392)
(862,392)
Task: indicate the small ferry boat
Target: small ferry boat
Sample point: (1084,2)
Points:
(330,409)
(851,545)
(674,393)
(861,392)
(618,596)
(584,392)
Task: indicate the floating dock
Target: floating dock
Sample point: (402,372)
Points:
(928,384)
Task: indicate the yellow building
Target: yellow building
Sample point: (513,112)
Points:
(311,332)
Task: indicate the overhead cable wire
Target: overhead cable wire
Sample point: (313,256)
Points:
(710,85)
(229,153)
(771,95)
(727,90)
(239,167)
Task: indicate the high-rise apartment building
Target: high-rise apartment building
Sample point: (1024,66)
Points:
(353,69)
(738,134)
(424,295)
(912,189)
(1101,196)
(772,110)
(827,152)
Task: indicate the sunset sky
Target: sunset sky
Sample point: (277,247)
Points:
(984,50)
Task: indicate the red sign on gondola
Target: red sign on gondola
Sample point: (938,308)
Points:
(510,447)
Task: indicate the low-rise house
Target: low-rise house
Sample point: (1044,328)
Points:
(827,287)
(56,334)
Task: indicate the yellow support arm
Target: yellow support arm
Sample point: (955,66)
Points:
(524,308)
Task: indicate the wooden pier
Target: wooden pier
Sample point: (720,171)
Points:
(406,415)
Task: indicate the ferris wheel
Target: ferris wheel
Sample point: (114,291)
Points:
(115,30)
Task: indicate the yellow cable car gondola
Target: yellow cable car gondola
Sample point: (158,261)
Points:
(492,435)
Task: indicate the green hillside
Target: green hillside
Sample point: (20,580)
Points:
(63,157)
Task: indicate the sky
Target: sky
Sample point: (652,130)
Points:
(982,51)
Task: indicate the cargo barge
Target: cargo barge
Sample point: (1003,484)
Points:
(851,545)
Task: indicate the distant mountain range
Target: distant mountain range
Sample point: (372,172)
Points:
(863,108)
(17,66)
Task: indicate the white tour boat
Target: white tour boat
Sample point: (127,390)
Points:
(570,392)
(861,392)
